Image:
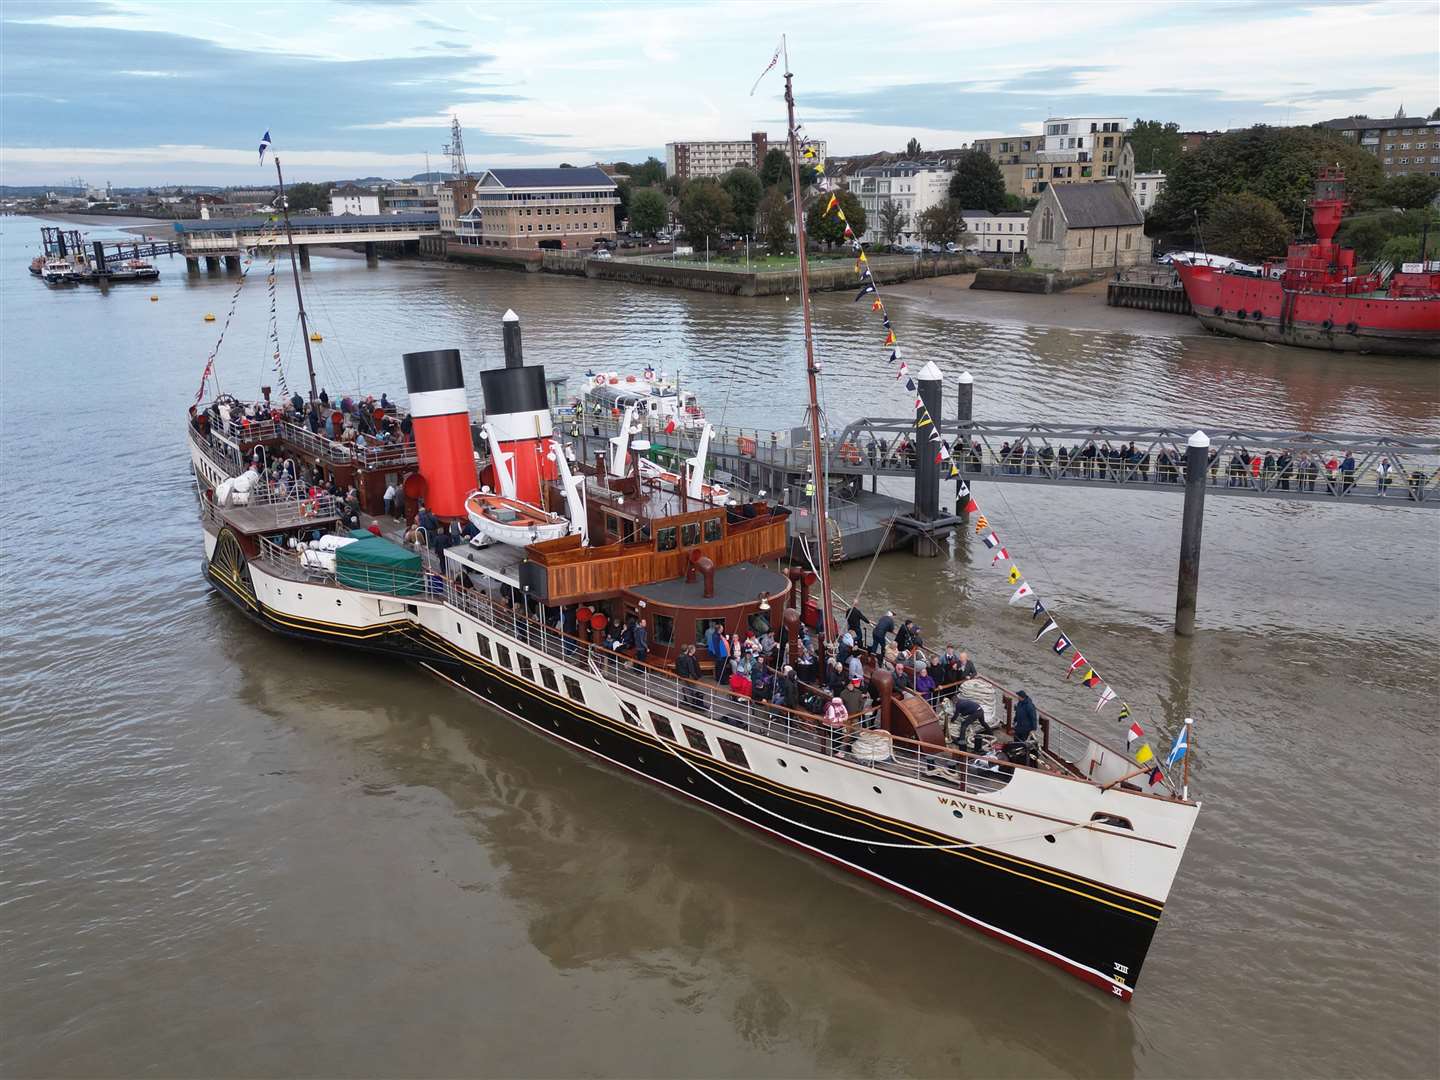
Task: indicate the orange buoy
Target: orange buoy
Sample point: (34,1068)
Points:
(154,296)
(209,315)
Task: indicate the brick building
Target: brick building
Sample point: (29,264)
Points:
(525,209)
(1404,144)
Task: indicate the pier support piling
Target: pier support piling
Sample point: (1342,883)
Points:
(964,417)
(1197,460)
(212,264)
(372,254)
(192,265)
(304,258)
(232,264)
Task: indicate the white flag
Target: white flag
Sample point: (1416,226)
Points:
(1106,696)
(1023,591)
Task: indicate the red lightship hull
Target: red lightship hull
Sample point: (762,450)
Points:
(1262,309)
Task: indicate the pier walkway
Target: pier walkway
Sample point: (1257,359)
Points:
(230,239)
(1291,465)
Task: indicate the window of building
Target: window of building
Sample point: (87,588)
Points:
(696,738)
(712,529)
(662,727)
(665,539)
(1047,225)
(526,668)
(503,655)
(572,687)
(1128,238)
(547,676)
(482,645)
(1105,245)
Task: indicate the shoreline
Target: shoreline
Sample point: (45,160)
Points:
(1080,308)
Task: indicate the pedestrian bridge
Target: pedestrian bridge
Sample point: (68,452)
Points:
(1247,463)
(232,238)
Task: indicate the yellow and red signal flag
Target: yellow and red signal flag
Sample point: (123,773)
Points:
(890,338)
(831,205)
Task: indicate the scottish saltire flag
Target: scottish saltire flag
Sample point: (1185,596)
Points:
(1182,744)
(264,145)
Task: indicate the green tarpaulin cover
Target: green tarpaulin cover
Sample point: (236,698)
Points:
(379,565)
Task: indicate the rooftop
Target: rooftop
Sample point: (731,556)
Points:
(549,178)
(1096,206)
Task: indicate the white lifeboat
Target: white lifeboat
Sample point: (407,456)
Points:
(510,521)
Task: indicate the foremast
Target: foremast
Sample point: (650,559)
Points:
(295,274)
(812,370)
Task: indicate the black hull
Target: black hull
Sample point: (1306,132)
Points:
(1314,336)
(1096,933)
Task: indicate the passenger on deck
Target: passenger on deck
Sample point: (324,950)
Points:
(882,628)
(854,697)
(1027,718)
(787,689)
(834,720)
(924,684)
(854,667)
(324,398)
(855,618)
(641,639)
(390,500)
(762,682)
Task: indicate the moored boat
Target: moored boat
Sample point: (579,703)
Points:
(1316,297)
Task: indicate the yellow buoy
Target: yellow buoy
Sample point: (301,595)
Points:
(154,296)
(209,316)
(316,336)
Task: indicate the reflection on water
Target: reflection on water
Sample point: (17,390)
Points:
(225,855)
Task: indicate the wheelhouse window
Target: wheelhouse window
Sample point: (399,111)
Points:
(664,629)
(572,687)
(690,534)
(696,738)
(665,539)
(713,530)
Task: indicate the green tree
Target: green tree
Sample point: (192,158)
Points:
(943,223)
(1277,164)
(828,229)
(307,196)
(1411,192)
(912,149)
(648,211)
(1369,231)
(1157,146)
(775,170)
(1246,226)
(652,171)
(622,208)
(1400,250)
(706,211)
(892,222)
(978,183)
(775,218)
(745,190)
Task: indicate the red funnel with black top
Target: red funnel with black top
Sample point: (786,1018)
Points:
(441,419)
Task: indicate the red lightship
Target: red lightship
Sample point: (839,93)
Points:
(1314,298)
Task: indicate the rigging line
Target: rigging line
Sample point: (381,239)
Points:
(825,832)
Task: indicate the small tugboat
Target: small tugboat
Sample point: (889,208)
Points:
(1315,297)
(656,398)
(1042,834)
(59,271)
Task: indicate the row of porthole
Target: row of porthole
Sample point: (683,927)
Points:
(1327,325)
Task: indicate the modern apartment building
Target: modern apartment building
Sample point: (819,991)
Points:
(690,160)
(1404,144)
(1016,155)
(913,186)
(525,209)
(354,200)
(454,197)
(1070,150)
(409,199)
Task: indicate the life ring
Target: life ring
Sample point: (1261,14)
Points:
(309,508)
(1241,313)
(599,380)
(1219,310)
(1256,315)
(850,453)
(1351,327)
(649,374)
(1327,325)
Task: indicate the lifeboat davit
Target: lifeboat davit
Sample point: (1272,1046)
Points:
(672,481)
(510,521)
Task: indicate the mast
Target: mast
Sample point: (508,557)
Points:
(295,273)
(817,453)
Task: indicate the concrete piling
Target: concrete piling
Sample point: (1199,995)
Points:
(964,417)
(304,257)
(1197,461)
(372,254)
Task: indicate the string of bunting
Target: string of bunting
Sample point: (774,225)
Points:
(275,331)
(209,370)
(1063,646)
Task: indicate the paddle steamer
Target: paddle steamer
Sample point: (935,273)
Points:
(1070,857)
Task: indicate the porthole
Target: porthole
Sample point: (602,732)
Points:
(870,849)
(338,603)
(804,769)
(1049,838)
(781,760)
(875,789)
(957,813)
(299,596)
(689,779)
(640,758)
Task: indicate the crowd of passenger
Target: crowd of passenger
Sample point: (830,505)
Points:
(1331,472)
(359,422)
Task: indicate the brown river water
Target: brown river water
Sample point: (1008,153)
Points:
(224,854)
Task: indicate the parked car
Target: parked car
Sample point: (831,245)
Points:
(601,253)
(911,249)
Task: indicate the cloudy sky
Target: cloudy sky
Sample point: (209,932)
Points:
(144,92)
